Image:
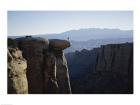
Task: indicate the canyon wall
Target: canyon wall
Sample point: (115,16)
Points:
(115,58)
(39,66)
(107,69)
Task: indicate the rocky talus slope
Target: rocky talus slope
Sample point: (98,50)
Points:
(47,70)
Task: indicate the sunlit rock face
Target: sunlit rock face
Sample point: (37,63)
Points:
(17,66)
(47,70)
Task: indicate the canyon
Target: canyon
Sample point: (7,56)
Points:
(107,69)
(39,66)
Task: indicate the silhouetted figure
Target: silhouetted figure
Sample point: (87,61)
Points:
(68,38)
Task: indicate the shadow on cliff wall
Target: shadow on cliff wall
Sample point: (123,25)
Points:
(108,69)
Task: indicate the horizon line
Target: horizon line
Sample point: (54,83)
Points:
(72,30)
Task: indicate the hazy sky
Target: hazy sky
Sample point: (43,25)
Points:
(42,22)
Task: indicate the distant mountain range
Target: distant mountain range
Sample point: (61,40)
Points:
(88,34)
(91,33)
(94,43)
(90,38)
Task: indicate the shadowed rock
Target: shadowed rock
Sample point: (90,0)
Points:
(33,52)
(108,69)
(49,67)
(46,64)
(57,46)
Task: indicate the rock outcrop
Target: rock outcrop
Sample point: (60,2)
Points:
(115,57)
(62,74)
(109,69)
(17,66)
(47,70)
(114,68)
(32,49)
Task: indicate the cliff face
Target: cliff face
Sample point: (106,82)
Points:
(111,71)
(108,69)
(17,66)
(32,49)
(115,58)
(47,70)
(114,68)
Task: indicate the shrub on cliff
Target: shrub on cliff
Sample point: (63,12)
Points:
(12,43)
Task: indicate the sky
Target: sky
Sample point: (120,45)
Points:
(48,22)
